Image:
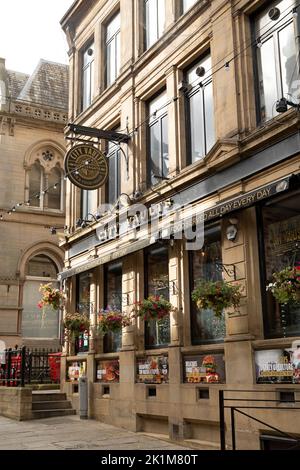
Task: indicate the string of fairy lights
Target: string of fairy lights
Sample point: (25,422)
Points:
(225,64)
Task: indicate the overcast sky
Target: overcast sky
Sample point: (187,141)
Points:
(30,31)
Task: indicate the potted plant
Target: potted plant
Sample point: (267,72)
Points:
(153,308)
(217,295)
(76,323)
(51,297)
(111,319)
(286,285)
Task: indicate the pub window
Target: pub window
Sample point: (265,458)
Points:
(87,76)
(200,109)
(157,333)
(113,300)
(279,235)
(154,21)
(275,53)
(206,264)
(84,307)
(114,176)
(158,147)
(113,51)
(187,4)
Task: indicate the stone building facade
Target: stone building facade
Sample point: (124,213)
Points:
(33,113)
(194,84)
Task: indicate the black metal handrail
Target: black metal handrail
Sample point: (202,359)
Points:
(237,409)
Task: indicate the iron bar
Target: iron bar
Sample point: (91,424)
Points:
(232,428)
(222,420)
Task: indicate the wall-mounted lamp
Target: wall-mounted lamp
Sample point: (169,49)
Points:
(283,103)
(231,231)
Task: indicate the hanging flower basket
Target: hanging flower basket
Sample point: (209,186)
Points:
(217,295)
(111,319)
(153,308)
(286,285)
(76,323)
(51,297)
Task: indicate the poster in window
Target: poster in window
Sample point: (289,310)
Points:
(152,370)
(76,370)
(108,371)
(278,365)
(209,368)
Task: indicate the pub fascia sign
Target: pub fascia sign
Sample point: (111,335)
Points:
(138,216)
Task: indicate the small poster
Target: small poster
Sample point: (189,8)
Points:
(152,370)
(76,370)
(209,368)
(278,365)
(108,371)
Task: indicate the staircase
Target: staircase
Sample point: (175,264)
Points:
(50,403)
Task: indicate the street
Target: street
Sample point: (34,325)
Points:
(71,433)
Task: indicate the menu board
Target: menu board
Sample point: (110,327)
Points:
(108,371)
(209,368)
(152,370)
(75,370)
(278,366)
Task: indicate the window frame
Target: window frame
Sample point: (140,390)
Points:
(117,56)
(116,152)
(187,107)
(84,49)
(277,63)
(146,26)
(148,138)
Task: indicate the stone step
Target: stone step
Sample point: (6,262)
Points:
(41,414)
(36,396)
(51,405)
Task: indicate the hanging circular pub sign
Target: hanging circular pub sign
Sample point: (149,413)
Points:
(86,166)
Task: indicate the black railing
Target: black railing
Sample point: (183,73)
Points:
(238,405)
(22,366)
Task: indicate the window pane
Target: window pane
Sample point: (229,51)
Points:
(35,184)
(151,22)
(87,203)
(113,298)
(209,117)
(197,127)
(113,27)
(165,146)
(186,4)
(157,265)
(288,63)
(281,233)
(267,80)
(155,146)
(54,195)
(41,266)
(37,323)
(205,326)
(111,66)
(201,111)
(161,13)
(88,76)
(157,106)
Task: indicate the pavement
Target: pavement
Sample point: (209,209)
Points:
(72,433)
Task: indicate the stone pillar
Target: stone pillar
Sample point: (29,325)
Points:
(127,26)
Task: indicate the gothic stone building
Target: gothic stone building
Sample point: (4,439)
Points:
(33,113)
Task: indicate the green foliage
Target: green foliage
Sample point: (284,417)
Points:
(153,308)
(217,295)
(286,285)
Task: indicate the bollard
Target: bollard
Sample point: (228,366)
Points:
(83,397)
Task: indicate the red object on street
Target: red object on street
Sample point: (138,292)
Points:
(54,364)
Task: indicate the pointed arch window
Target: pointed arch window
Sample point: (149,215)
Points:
(45,188)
